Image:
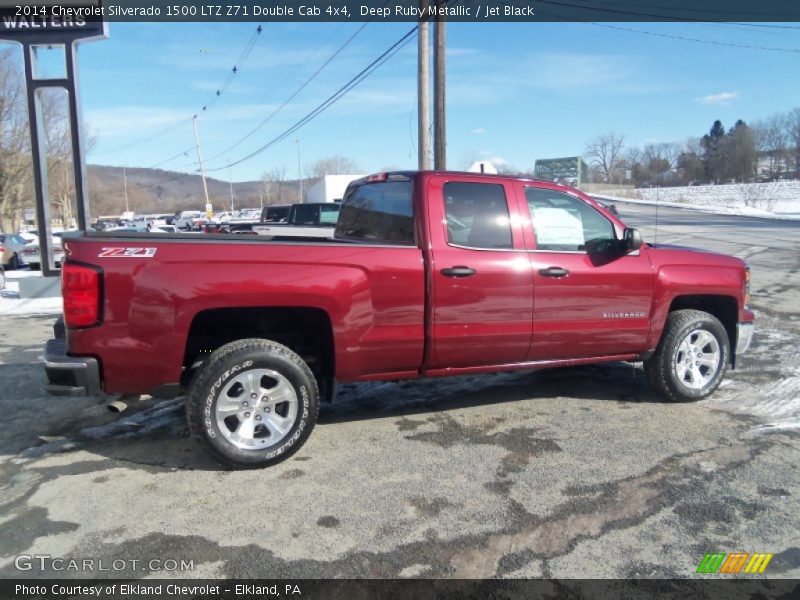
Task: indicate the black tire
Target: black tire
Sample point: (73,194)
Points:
(235,359)
(34,266)
(661,368)
(2,278)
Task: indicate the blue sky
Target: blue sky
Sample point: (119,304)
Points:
(516,92)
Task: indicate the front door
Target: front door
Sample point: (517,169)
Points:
(587,301)
(482,287)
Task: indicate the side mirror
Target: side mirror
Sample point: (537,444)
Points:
(631,239)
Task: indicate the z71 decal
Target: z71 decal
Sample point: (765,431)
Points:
(127,252)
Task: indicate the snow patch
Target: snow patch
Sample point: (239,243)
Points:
(776,200)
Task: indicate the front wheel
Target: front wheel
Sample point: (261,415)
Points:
(692,356)
(253,404)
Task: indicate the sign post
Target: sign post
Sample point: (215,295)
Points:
(46,29)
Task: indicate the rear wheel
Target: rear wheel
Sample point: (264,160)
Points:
(692,356)
(253,404)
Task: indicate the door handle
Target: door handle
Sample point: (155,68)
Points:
(458,271)
(553,272)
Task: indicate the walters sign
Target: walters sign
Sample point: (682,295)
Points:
(22,22)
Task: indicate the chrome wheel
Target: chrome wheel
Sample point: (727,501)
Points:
(698,359)
(256,409)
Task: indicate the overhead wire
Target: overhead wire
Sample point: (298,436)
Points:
(332,99)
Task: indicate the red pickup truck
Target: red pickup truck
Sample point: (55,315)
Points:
(429,274)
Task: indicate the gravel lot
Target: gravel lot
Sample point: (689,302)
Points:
(578,472)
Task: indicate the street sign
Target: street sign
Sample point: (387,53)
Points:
(570,170)
(49,21)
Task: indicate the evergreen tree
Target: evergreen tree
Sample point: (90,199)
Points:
(714,152)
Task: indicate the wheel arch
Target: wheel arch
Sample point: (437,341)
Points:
(306,331)
(724,308)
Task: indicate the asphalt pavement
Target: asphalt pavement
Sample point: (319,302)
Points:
(580,472)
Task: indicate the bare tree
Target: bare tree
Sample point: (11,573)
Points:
(273,184)
(333,165)
(605,153)
(793,134)
(15,163)
(771,139)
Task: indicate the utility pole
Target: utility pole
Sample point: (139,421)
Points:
(125,184)
(424,90)
(439,124)
(200,160)
(299,172)
(230,180)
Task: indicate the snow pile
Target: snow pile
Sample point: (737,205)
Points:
(757,199)
(12,304)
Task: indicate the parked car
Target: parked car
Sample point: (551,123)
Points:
(186,219)
(163,228)
(429,274)
(31,254)
(13,244)
(106,223)
(308,220)
(608,205)
(159,221)
(223,217)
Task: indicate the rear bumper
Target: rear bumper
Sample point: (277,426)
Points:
(744,335)
(69,375)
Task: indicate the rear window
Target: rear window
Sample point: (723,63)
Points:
(378,212)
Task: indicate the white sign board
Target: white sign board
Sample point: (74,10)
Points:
(558,226)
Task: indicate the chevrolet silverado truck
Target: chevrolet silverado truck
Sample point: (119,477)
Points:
(428,274)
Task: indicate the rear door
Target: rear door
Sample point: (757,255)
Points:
(589,300)
(481,282)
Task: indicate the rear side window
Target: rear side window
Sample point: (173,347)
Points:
(477,215)
(305,214)
(329,214)
(378,212)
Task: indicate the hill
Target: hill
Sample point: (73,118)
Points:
(157,190)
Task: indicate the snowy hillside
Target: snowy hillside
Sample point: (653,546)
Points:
(780,197)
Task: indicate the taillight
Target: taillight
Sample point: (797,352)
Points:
(80,286)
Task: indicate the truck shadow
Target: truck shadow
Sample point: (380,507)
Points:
(621,383)
(152,435)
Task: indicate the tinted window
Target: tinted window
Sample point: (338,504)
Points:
(564,223)
(378,212)
(477,215)
(305,214)
(276,213)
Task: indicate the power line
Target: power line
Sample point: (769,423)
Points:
(333,98)
(243,56)
(293,95)
(679,10)
(696,40)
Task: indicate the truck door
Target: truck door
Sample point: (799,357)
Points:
(587,301)
(480,273)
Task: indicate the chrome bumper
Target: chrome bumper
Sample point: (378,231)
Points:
(744,335)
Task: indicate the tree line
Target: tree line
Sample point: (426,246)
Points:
(767,150)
